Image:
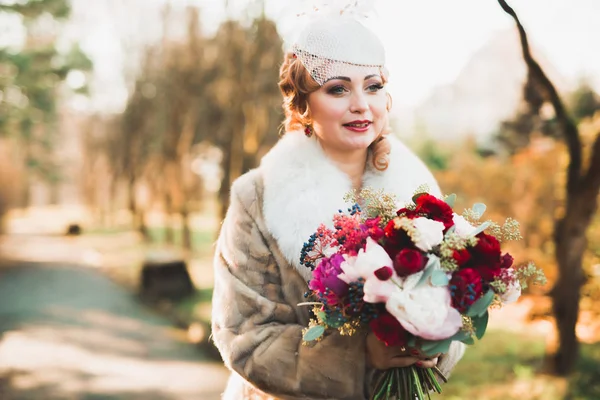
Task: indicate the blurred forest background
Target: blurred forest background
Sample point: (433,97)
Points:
(151,181)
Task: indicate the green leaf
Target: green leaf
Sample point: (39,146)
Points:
(469,341)
(441,346)
(439,278)
(314,333)
(461,335)
(416,196)
(480,307)
(479,208)
(480,325)
(450,200)
(432,265)
(450,231)
(412,341)
(480,228)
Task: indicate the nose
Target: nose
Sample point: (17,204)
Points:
(359,104)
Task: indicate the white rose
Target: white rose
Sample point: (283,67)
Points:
(430,233)
(462,227)
(426,312)
(512,294)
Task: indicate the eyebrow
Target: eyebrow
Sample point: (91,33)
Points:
(345,78)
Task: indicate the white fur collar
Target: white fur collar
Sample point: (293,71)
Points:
(303,188)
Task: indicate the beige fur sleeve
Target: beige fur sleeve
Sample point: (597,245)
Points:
(257,331)
(448,361)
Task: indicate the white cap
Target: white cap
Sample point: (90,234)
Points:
(328,46)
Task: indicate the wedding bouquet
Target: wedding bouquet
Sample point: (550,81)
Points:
(420,277)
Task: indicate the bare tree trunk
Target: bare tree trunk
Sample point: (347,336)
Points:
(54,191)
(169,234)
(186,232)
(570,230)
(137,215)
(570,246)
(112,201)
(26,188)
(140,224)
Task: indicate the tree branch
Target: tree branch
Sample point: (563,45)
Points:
(568,127)
(591,180)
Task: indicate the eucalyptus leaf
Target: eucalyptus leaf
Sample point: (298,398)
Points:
(416,196)
(433,264)
(450,200)
(431,348)
(480,325)
(461,335)
(314,333)
(412,341)
(480,228)
(468,341)
(450,231)
(480,307)
(439,278)
(479,208)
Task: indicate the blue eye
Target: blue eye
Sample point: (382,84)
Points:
(375,88)
(338,89)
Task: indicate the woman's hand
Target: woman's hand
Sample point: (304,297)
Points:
(382,357)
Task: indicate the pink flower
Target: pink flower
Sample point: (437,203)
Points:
(425,311)
(513,286)
(365,263)
(372,229)
(325,276)
(369,265)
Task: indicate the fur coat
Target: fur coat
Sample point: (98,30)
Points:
(257,325)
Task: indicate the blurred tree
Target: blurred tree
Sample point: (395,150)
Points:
(436,156)
(247,95)
(584,102)
(580,205)
(30,78)
(192,90)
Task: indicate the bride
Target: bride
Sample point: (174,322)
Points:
(336,139)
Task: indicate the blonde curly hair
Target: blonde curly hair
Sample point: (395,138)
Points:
(295,84)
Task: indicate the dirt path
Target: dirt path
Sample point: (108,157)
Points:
(68,332)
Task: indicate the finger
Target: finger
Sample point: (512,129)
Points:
(424,356)
(430,363)
(402,361)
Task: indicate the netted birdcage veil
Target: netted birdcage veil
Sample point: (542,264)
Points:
(334,41)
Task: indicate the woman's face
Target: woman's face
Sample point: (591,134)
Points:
(349,112)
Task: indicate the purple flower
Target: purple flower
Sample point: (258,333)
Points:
(325,276)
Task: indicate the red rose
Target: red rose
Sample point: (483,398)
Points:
(435,209)
(461,257)
(507,261)
(488,273)
(465,288)
(408,213)
(395,240)
(487,250)
(384,273)
(409,261)
(387,329)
